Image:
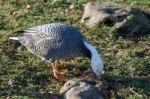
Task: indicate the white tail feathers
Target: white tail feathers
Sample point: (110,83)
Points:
(14,38)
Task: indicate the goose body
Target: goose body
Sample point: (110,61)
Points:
(57,41)
(54,41)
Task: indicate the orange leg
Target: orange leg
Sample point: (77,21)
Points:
(58,73)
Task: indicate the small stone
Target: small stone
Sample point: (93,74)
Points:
(28,6)
(10,82)
(71,7)
(14,13)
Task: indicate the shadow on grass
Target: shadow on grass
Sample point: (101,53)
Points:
(137,28)
(131,82)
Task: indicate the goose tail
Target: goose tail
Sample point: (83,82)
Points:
(14,38)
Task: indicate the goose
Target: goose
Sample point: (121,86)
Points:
(55,41)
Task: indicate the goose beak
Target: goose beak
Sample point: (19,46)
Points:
(100,76)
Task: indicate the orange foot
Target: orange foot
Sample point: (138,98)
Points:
(61,76)
(58,73)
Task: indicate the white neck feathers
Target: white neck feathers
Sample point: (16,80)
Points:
(93,51)
(95,59)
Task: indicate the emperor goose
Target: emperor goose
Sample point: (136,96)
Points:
(55,41)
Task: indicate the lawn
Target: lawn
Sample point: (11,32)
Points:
(32,78)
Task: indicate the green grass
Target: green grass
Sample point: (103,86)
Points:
(33,78)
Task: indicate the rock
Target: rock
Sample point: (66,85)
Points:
(79,89)
(128,21)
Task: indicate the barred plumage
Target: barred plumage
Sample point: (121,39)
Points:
(54,41)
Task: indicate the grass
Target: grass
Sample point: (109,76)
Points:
(32,78)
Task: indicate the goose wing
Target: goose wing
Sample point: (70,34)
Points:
(57,38)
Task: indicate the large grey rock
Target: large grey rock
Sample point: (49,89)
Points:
(79,89)
(125,19)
